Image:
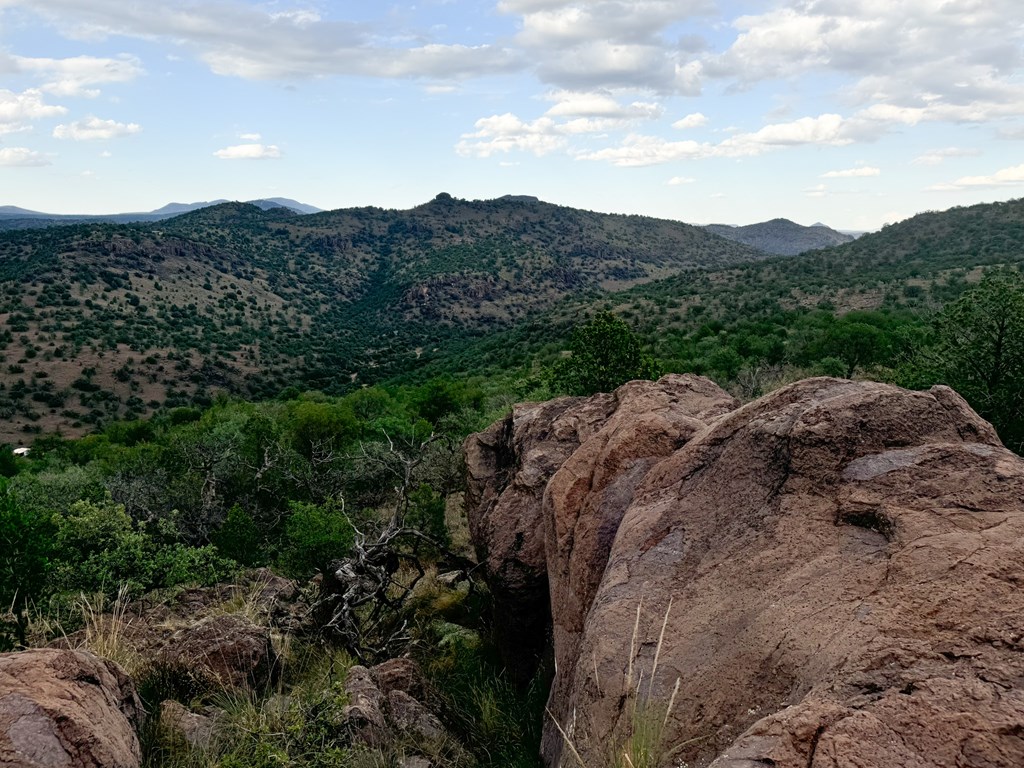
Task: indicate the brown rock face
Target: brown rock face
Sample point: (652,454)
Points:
(511,467)
(67,709)
(844,562)
(226,649)
(508,467)
(834,573)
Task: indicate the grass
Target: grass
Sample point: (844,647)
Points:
(644,742)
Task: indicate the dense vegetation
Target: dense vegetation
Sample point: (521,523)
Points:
(218,362)
(102,322)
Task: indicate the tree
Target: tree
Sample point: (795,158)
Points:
(605,354)
(26,537)
(980,352)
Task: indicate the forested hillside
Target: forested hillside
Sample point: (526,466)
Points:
(103,321)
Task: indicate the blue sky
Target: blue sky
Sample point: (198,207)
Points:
(851,112)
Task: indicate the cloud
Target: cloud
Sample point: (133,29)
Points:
(676,181)
(1007,177)
(95,129)
(852,173)
(695,120)
(819,190)
(828,129)
(249,41)
(544,135)
(590,44)
(249,136)
(638,151)
(505,133)
(600,104)
(249,152)
(938,156)
(18,110)
(904,63)
(74,76)
(21,157)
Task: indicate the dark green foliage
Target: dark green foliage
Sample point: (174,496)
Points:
(239,538)
(315,534)
(605,353)
(99,549)
(979,352)
(26,549)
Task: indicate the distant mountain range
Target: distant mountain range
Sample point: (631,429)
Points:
(13,217)
(782,236)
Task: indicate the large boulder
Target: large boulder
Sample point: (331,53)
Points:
(67,709)
(828,576)
(510,466)
(507,469)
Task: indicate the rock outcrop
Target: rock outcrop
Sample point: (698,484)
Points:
(385,705)
(225,650)
(831,573)
(67,709)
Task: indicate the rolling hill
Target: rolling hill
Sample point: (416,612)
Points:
(782,236)
(103,321)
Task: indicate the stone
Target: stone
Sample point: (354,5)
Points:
(64,708)
(227,650)
(198,729)
(834,575)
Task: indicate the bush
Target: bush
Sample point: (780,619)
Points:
(605,355)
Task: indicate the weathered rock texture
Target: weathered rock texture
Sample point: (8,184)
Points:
(384,706)
(225,650)
(66,709)
(844,562)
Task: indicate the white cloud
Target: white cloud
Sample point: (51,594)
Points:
(589,44)
(695,120)
(852,173)
(676,181)
(637,151)
(1007,177)
(249,41)
(819,190)
(938,156)
(94,129)
(21,157)
(74,76)
(828,129)
(598,104)
(19,110)
(250,136)
(505,133)
(249,152)
(906,62)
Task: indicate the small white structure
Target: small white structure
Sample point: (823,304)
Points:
(21,451)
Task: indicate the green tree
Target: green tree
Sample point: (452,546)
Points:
(980,352)
(26,537)
(605,353)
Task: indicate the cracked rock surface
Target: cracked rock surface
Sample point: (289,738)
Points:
(835,574)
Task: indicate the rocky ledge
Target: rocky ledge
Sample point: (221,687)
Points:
(827,576)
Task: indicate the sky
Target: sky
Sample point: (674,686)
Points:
(854,113)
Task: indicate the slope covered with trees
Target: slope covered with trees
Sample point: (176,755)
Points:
(103,321)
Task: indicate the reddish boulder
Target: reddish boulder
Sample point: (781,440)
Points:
(507,468)
(586,498)
(67,709)
(834,575)
(226,650)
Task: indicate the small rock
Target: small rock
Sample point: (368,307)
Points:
(199,730)
(399,675)
(228,648)
(412,718)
